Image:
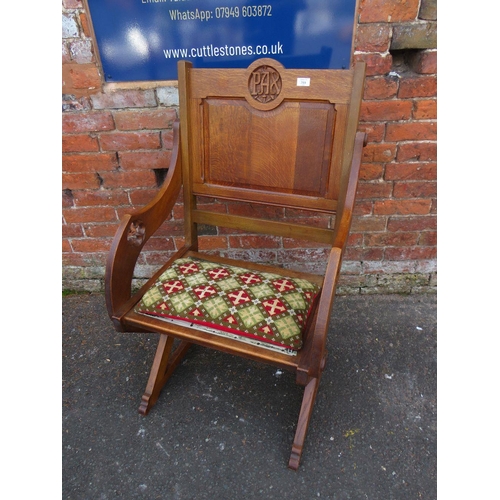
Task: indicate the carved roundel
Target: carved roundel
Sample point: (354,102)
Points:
(265,84)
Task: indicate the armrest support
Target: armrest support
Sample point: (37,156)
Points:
(134,231)
(346,205)
(315,344)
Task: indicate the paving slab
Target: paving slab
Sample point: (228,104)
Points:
(223,426)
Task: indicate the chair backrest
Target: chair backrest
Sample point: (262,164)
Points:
(267,135)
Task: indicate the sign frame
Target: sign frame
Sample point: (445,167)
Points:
(133,83)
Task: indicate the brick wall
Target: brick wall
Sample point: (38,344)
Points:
(117,142)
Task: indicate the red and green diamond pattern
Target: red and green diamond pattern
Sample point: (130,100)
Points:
(266,307)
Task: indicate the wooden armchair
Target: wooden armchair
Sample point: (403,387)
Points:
(262,135)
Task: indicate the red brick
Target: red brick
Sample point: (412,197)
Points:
(371,171)
(83,259)
(80,77)
(376,64)
(157,258)
(363,207)
(80,181)
(428,238)
(66,246)
(411,131)
(425,109)
(230,231)
(167,139)
(157,244)
(391,239)
(72,231)
(212,242)
(373,37)
(420,223)
(254,241)
(370,190)
(402,207)
(369,224)
(171,228)
(417,151)
(381,153)
(116,141)
(424,62)
(90,245)
(179,242)
(376,111)
(145,160)
(101,214)
(79,143)
(410,171)
(355,240)
(89,162)
(140,197)
(380,87)
(100,230)
(85,25)
(410,253)
(87,122)
(363,254)
(66,57)
(125,98)
(100,197)
(67,198)
(72,4)
(145,119)
(120,179)
(434,206)
(298,255)
(375,131)
(422,86)
(295,243)
(375,11)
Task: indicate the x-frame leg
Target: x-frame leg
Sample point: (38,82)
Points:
(164,364)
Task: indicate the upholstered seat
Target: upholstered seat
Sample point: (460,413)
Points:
(263,308)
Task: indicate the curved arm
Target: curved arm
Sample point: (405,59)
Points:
(346,205)
(134,231)
(315,343)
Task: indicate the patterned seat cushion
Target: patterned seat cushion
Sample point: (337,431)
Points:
(262,308)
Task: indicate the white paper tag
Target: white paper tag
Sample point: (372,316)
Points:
(303,82)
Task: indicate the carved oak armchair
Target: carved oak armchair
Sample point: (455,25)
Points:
(263,135)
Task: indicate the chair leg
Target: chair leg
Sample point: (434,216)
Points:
(163,366)
(305,415)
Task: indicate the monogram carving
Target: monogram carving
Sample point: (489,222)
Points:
(264,84)
(136,232)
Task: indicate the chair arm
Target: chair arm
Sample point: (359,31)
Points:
(134,231)
(346,205)
(314,350)
(312,359)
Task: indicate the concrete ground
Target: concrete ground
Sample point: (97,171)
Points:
(223,427)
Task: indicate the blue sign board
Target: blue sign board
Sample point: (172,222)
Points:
(144,39)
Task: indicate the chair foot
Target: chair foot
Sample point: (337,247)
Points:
(164,364)
(303,423)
